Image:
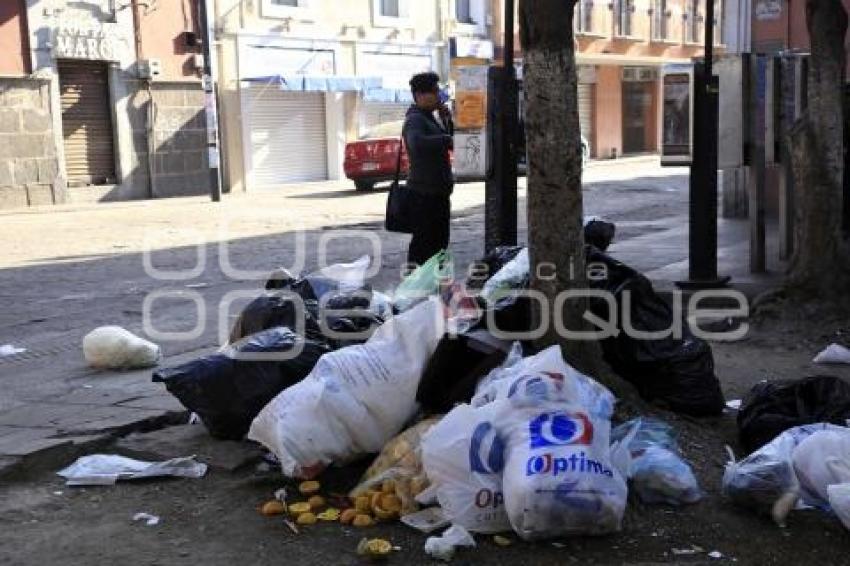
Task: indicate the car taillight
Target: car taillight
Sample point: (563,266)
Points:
(390,147)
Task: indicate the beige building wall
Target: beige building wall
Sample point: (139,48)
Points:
(348,27)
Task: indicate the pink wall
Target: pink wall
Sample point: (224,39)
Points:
(609,111)
(163,37)
(14,59)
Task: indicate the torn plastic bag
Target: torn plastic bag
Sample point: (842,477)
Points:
(355,399)
(772,407)
(107,469)
(400,461)
(656,469)
(338,277)
(463,457)
(229,388)
(514,275)
(424,281)
(443,547)
(765,481)
(822,460)
(458,364)
(675,372)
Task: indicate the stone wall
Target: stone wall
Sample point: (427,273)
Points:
(29,169)
(180,165)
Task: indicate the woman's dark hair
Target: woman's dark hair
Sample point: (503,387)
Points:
(424,82)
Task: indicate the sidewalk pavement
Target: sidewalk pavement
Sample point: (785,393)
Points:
(81,266)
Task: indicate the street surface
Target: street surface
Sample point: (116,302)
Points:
(67,270)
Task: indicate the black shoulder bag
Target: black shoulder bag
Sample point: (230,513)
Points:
(398,217)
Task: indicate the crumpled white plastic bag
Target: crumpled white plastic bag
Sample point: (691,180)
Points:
(107,469)
(112,347)
(833,354)
(443,547)
(821,460)
(839,500)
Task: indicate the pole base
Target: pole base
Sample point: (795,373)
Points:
(701,284)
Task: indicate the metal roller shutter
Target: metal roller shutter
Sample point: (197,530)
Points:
(585,112)
(375,113)
(87,122)
(287,137)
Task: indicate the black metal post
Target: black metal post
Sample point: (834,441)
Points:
(210,106)
(702,239)
(500,218)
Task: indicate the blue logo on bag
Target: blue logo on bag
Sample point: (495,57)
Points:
(560,429)
(486,450)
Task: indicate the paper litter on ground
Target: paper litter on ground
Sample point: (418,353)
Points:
(10,350)
(833,354)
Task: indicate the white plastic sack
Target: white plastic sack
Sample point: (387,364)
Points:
(510,276)
(839,500)
(765,481)
(822,460)
(463,458)
(833,354)
(107,469)
(350,276)
(542,378)
(112,347)
(355,399)
(558,478)
(443,547)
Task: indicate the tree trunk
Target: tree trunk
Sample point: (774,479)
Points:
(819,263)
(553,138)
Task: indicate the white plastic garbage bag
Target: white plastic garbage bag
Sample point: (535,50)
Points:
(107,469)
(839,500)
(509,277)
(112,347)
(350,276)
(355,399)
(765,481)
(833,354)
(463,457)
(822,460)
(443,547)
(558,478)
(544,377)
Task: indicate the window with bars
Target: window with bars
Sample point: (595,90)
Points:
(584,16)
(693,21)
(660,18)
(390,9)
(623,17)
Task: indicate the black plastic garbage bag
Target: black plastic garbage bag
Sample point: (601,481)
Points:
(277,308)
(675,372)
(227,392)
(456,367)
(490,264)
(772,407)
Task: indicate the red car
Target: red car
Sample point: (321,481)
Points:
(372,158)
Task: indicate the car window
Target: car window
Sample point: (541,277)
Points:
(385,130)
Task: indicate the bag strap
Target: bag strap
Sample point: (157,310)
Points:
(398,156)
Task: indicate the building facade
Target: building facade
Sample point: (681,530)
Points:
(299,78)
(100,100)
(622,48)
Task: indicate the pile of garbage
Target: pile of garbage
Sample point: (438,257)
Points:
(473,432)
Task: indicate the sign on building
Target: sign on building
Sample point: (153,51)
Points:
(98,42)
(676,134)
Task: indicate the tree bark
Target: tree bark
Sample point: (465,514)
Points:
(820,261)
(553,138)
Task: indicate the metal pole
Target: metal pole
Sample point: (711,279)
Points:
(210,106)
(702,256)
(509,129)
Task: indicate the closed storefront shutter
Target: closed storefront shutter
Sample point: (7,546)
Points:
(287,136)
(585,112)
(87,122)
(376,113)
